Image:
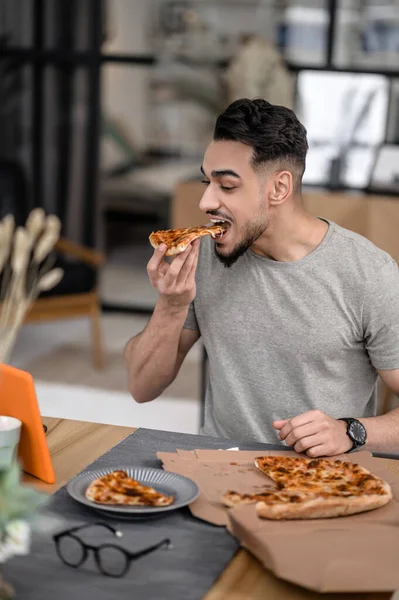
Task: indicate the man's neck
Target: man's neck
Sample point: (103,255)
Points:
(291,236)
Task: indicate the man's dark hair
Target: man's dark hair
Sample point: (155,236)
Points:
(274,133)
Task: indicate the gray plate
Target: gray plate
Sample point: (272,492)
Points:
(183,489)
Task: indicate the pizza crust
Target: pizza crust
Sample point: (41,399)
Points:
(322,508)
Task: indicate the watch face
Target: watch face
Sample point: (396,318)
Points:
(357,432)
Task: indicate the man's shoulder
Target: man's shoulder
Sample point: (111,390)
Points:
(356,248)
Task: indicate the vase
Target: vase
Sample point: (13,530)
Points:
(10,433)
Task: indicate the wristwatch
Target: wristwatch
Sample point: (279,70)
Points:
(356,431)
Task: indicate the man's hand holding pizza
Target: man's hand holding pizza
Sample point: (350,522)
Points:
(175,281)
(314,433)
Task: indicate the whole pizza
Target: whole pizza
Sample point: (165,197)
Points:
(313,489)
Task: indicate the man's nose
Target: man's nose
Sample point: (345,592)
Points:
(209,200)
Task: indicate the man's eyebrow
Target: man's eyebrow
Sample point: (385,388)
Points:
(222,172)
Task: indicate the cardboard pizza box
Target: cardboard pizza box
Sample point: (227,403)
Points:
(358,553)
(323,559)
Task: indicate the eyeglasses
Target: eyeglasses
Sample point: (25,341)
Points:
(111,560)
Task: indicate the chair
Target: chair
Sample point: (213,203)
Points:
(204,377)
(77,293)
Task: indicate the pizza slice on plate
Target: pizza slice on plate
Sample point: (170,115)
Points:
(118,488)
(177,240)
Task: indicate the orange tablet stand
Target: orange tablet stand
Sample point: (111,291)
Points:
(18,399)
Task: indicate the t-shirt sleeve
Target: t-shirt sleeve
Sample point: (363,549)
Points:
(381,317)
(191,319)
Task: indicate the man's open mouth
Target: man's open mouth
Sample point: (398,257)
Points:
(225,225)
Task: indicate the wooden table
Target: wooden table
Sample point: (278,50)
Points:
(75,444)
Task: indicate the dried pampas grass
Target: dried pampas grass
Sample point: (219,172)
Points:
(35,222)
(7,230)
(26,261)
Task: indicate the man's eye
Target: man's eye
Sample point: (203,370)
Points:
(205,182)
(226,189)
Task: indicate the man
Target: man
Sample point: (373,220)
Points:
(297,314)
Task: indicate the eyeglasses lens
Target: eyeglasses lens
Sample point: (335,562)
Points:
(71,550)
(112,561)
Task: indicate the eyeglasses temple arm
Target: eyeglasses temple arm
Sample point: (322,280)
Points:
(134,555)
(85,526)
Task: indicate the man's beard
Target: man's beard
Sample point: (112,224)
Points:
(251,235)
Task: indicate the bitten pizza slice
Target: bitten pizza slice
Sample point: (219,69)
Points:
(177,240)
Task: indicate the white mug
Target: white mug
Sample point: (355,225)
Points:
(10,433)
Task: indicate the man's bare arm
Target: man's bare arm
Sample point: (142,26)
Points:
(154,357)
(383,431)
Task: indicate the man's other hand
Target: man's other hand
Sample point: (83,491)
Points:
(314,433)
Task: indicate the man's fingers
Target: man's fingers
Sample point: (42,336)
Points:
(308,442)
(191,276)
(310,432)
(156,260)
(188,264)
(190,279)
(163,268)
(176,266)
(286,429)
(298,433)
(293,425)
(316,451)
(308,417)
(280,424)
(176,272)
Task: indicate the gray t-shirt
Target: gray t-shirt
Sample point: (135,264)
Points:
(287,337)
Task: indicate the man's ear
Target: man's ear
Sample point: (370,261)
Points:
(281,188)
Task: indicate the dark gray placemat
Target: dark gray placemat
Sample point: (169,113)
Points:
(200,551)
